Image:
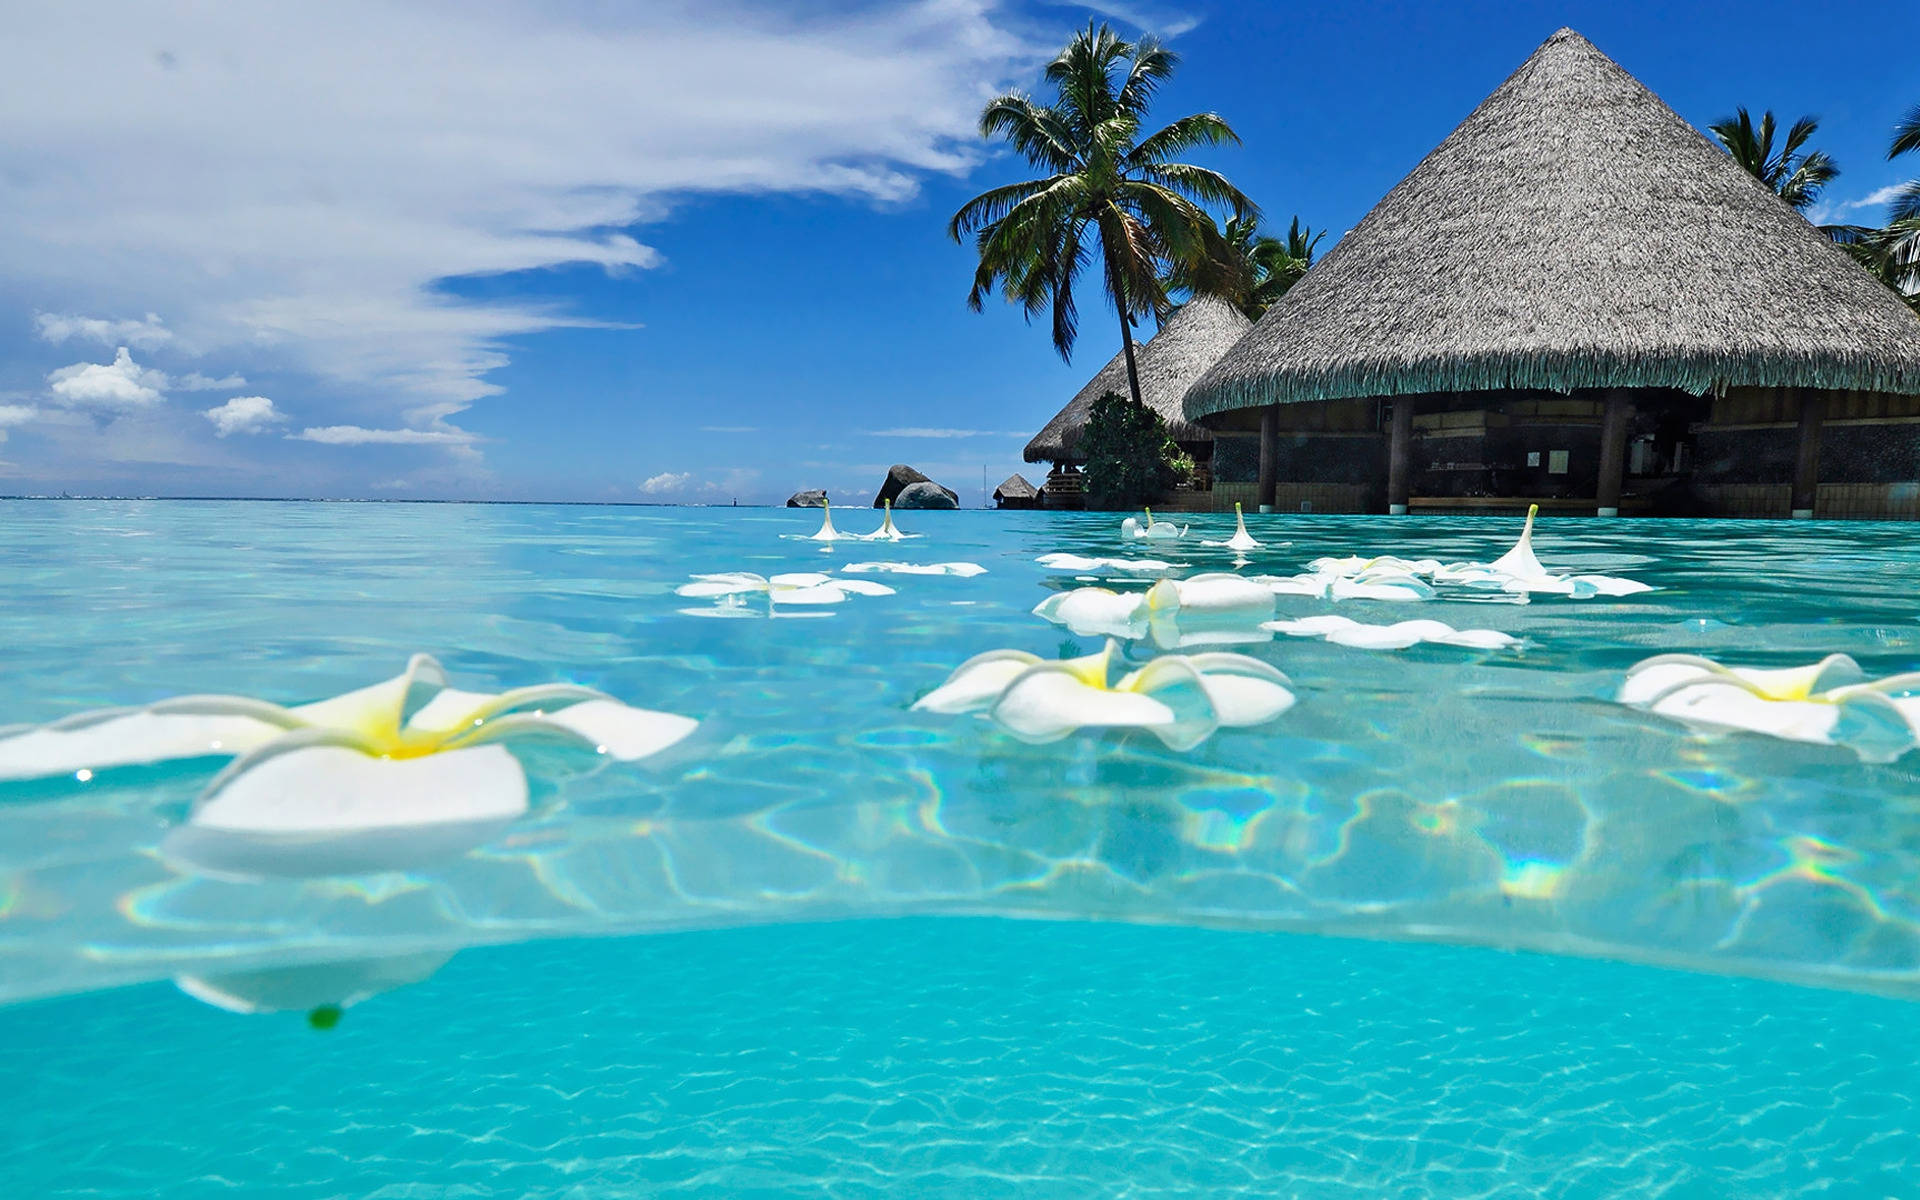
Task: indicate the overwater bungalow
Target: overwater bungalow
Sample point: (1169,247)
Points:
(1192,339)
(1015,492)
(1575,300)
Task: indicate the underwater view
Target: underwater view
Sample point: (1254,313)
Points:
(1005,854)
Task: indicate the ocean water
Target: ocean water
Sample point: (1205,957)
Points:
(1454,925)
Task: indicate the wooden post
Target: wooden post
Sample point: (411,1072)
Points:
(1269,456)
(1806,466)
(1613,452)
(1398,450)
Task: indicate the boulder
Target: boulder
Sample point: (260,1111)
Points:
(925,494)
(899,478)
(811,498)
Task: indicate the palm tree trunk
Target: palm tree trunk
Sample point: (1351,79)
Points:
(1126,339)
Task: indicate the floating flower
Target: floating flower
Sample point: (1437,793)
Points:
(1078,564)
(1830,702)
(887,532)
(1376,584)
(1241,540)
(1211,609)
(1180,699)
(827,533)
(1518,572)
(1153,530)
(796,587)
(1344,631)
(407,754)
(964,570)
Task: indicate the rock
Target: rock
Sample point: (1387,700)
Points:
(899,478)
(811,498)
(926,494)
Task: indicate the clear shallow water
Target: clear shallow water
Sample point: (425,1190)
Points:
(1494,800)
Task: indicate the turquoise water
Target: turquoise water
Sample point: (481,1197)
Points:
(1717,947)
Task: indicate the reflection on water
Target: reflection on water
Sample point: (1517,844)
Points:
(1496,798)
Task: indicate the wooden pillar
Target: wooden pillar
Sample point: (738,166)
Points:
(1613,451)
(1806,465)
(1269,456)
(1399,449)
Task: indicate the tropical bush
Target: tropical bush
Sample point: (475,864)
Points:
(1130,459)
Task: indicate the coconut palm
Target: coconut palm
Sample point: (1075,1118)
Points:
(1108,192)
(1247,268)
(1794,174)
(1899,242)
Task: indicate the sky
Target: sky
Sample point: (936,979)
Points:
(679,252)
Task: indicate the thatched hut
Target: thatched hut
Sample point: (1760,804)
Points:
(1576,299)
(1015,492)
(1192,339)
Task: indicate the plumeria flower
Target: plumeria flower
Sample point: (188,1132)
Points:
(321,990)
(796,587)
(407,754)
(887,532)
(1377,584)
(1180,699)
(1077,564)
(964,570)
(1344,631)
(1211,609)
(1241,541)
(826,532)
(1153,530)
(1830,702)
(1520,571)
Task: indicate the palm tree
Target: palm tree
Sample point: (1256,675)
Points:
(1794,175)
(1107,190)
(1899,243)
(1246,267)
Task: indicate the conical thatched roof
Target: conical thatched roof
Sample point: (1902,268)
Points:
(1016,487)
(1572,232)
(1192,340)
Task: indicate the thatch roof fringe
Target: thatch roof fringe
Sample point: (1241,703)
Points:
(1193,339)
(1573,232)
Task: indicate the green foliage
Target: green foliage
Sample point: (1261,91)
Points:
(1110,197)
(1130,459)
(1892,252)
(1247,268)
(1794,174)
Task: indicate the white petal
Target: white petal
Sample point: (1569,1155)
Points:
(1725,705)
(1648,679)
(1310,626)
(862,587)
(1610,585)
(1407,589)
(311,985)
(617,730)
(1519,561)
(1477,639)
(823,594)
(1223,596)
(1096,612)
(334,789)
(126,737)
(1048,702)
(978,682)
(1377,637)
(964,570)
(375,708)
(448,711)
(800,579)
(729,583)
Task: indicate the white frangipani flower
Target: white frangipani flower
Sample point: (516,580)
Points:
(1210,609)
(1153,530)
(1180,699)
(1830,702)
(888,532)
(794,587)
(1077,564)
(407,754)
(964,570)
(1241,541)
(1344,631)
(826,532)
(1517,573)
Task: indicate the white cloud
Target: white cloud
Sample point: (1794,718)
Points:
(1876,198)
(145,333)
(918,432)
(278,181)
(666,481)
(15,414)
(194,381)
(1166,22)
(357,435)
(244,414)
(120,384)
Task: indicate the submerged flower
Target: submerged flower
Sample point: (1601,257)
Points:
(321,990)
(1180,699)
(405,754)
(1830,702)
(964,570)
(1343,631)
(797,587)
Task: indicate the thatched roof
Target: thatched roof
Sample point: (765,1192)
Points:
(1573,232)
(1193,339)
(1016,487)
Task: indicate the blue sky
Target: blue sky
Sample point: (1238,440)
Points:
(675,251)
